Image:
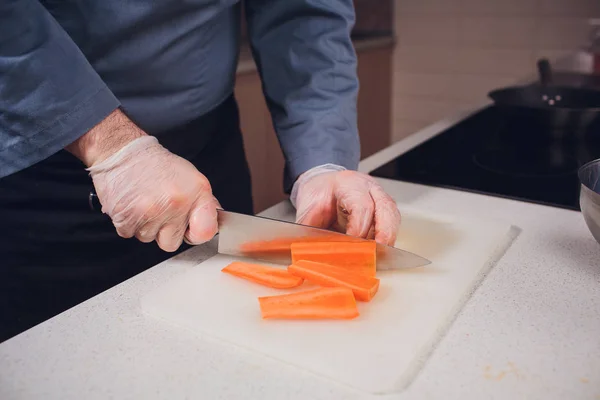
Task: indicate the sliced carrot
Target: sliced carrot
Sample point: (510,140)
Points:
(263,274)
(282,246)
(267,247)
(356,257)
(322,303)
(364,287)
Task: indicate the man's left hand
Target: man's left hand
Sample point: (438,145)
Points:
(347,201)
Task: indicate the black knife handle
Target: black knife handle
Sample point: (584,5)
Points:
(94,201)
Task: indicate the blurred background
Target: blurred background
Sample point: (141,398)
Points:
(450,53)
(421,61)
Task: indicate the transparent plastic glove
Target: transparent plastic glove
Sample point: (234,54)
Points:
(347,201)
(153,194)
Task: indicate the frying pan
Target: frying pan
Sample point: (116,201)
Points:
(561,112)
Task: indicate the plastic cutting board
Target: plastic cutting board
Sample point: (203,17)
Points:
(378,352)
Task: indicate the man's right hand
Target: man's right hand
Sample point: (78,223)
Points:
(147,191)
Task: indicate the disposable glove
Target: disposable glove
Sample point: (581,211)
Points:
(153,194)
(348,201)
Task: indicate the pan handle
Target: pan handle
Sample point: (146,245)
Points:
(544,71)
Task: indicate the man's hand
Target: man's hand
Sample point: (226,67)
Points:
(147,191)
(348,201)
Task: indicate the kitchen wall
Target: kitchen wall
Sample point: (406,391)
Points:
(451,53)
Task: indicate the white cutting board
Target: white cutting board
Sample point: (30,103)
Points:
(378,352)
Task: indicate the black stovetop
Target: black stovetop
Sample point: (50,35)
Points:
(492,154)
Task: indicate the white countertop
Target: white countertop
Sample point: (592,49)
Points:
(530,331)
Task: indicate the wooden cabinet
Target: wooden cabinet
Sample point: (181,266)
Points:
(375,99)
(262,147)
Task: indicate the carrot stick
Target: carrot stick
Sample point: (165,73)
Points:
(282,246)
(323,303)
(355,257)
(264,275)
(364,287)
(267,247)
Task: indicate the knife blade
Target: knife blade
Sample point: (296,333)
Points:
(239,232)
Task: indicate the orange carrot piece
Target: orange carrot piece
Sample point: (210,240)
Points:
(322,303)
(267,247)
(364,287)
(282,246)
(356,257)
(263,274)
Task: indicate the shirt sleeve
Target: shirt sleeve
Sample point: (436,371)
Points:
(49,93)
(307,65)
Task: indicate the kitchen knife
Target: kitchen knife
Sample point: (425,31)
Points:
(239,233)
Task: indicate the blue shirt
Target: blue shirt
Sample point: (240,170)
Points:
(66,64)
